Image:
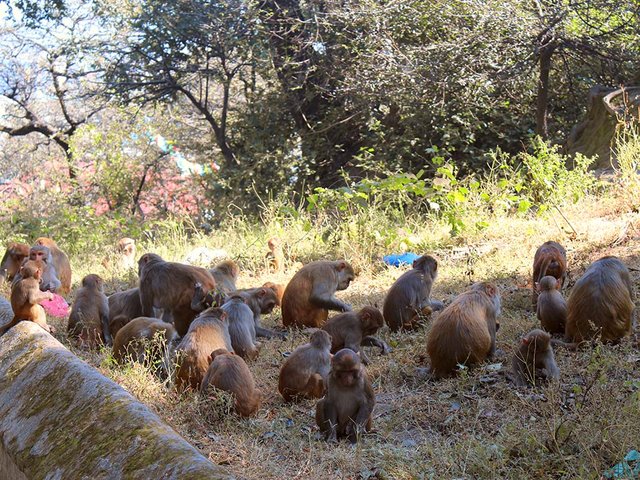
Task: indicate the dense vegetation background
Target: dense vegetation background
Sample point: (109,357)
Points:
(136,110)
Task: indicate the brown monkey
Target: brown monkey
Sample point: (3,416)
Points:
(171,286)
(12,260)
(311,293)
(304,373)
(550,259)
(552,307)
(226,275)
(410,294)
(242,328)
(601,302)
(26,297)
(89,318)
(352,330)
(533,357)
(346,409)
(207,333)
(148,341)
(49,281)
(229,372)
(261,300)
(465,331)
(123,307)
(60,262)
(278,289)
(275,255)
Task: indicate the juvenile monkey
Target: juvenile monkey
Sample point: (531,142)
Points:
(600,303)
(207,333)
(26,297)
(12,260)
(241,328)
(304,373)
(230,373)
(261,300)
(355,329)
(550,259)
(123,307)
(275,255)
(410,294)
(226,275)
(534,358)
(311,292)
(465,331)
(135,341)
(278,289)
(552,307)
(346,409)
(89,318)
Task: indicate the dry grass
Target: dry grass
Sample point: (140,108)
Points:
(475,426)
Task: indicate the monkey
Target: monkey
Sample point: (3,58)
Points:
(12,260)
(278,289)
(465,331)
(229,372)
(275,255)
(534,353)
(410,294)
(550,259)
(26,297)
(148,341)
(226,275)
(49,281)
(311,292)
(171,286)
(124,255)
(60,263)
(261,300)
(241,328)
(355,329)
(304,373)
(346,409)
(89,318)
(123,307)
(552,307)
(207,333)
(126,247)
(600,303)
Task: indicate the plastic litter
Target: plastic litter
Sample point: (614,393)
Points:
(399,259)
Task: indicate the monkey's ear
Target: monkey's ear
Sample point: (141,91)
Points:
(223,316)
(559,283)
(525,341)
(262,292)
(342,266)
(490,290)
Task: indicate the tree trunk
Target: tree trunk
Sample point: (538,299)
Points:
(542,107)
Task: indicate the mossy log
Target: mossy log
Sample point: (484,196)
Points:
(60,418)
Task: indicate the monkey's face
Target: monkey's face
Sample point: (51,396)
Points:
(37,255)
(347,378)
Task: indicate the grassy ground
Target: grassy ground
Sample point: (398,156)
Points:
(475,426)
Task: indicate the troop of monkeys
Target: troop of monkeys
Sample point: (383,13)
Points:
(210,326)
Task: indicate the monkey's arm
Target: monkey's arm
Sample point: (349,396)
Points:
(320,297)
(36,296)
(266,333)
(375,342)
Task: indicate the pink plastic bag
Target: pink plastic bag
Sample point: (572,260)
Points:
(57,307)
